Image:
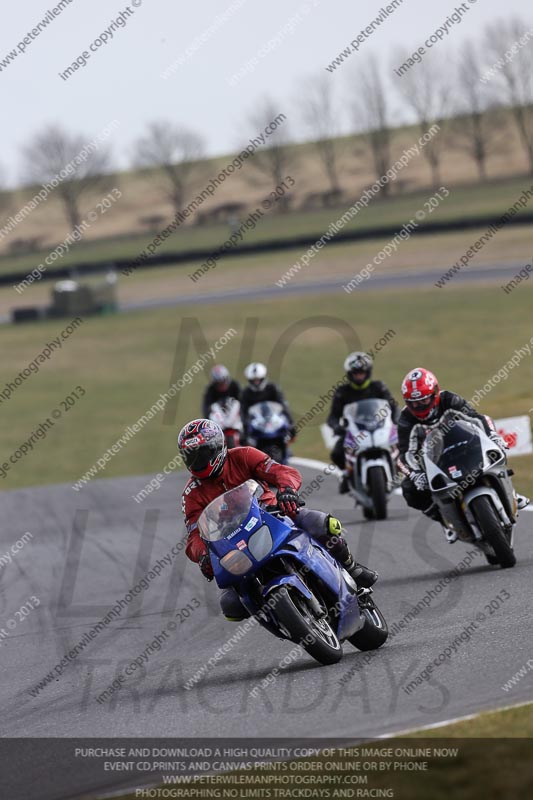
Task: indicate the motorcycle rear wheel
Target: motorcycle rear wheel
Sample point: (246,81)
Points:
(316,636)
(490,526)
(232,440)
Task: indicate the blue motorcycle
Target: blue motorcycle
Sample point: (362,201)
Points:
(286,579)
(268,430)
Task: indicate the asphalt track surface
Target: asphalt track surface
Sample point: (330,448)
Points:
(89,548)
(502,273)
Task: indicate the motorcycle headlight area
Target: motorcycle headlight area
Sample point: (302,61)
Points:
(372,425)
(236,562)
(260,543)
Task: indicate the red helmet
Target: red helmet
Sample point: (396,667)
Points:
(203,448)
(420,390)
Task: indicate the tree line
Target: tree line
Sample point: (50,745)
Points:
(478,96)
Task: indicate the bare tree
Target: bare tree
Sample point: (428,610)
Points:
(275,159)
(55,155)
(175,151)
(426,89)
(371,115)
(513,76)
(479,126)
(321,119)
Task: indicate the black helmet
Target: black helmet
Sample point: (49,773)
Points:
(358,368)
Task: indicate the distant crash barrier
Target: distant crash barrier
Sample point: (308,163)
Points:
(304,241)
(70,298)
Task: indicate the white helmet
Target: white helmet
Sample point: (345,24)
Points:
(256,375)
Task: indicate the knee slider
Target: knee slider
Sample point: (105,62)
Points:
(333,526)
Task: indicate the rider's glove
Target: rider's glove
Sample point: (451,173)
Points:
(292,433)
(340,428)
(499,441)
(207,568)
(287,501)
(420,480)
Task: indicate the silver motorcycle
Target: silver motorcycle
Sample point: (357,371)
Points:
(471,485)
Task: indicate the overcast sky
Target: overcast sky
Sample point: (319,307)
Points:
(122,80)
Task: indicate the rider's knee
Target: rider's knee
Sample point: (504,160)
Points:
(231,606)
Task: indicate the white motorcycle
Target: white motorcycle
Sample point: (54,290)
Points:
(370,450)
(227,414)
(470,483)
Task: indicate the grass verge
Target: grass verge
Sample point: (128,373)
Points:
(488,757)
(125,361)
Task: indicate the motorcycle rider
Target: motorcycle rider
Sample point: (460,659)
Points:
(215,470)
(261,390)
(359,386)
(425,404)
(221,387)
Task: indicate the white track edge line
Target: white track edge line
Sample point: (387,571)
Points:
(455,720)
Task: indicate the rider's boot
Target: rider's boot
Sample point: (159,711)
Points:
(433,512)
(364,577)
(521,500)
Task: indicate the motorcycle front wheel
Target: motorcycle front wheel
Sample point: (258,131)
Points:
(232,440)
(374,632)
(377,489)
(316,636)
(274,451)
(491,528)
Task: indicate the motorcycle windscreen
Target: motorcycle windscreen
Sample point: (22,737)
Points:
(368,414)
(224,514)
(456,451)
(267,417)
